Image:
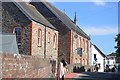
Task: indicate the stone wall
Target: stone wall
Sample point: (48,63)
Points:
(64,34)
(13,17)
(46,49)
(46,45)
(80,42)
(78,68)
(21,66)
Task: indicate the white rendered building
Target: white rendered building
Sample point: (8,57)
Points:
(97,57)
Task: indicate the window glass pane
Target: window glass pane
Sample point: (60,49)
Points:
(48,36)
(54,40)
(18,31)
(39,37)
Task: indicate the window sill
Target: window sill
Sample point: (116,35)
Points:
(55,48)
(39,46)
(19,44)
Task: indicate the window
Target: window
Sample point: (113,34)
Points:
(48,37)
(55,41)
(80,41)
(39,37)
(94,56)
(87,46)
(76,43)
(83,44)
(18,32)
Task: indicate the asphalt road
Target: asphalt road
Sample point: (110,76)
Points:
(97,76)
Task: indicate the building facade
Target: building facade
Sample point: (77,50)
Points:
(34,34)
(97,58)
(73,42)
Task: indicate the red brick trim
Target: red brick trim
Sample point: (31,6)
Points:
(16,26)
(29,4)
(21,32)
(70,48)
(31,30)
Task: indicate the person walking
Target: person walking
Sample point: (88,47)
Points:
(62,69)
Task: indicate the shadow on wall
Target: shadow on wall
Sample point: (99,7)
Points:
(78,69)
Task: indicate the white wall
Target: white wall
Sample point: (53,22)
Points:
(100,58)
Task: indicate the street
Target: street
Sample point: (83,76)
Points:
(96,76)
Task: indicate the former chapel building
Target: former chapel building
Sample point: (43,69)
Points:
(43,30)
(73,42)
(34,34)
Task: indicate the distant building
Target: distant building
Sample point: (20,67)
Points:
(97,57)
(111,60)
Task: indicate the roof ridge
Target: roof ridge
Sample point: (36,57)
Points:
(29,4)
(34,14)
(49,4)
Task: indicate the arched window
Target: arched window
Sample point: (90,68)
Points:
(18,32)
(80,42)
(49,37)
(83,62)
(39,37)
(77,43)
(87,46)
(55,41)
(83,44)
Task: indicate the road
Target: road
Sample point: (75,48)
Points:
(97,76)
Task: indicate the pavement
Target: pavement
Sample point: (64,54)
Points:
(71,75)
(93,76)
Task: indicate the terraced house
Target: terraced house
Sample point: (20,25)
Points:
(34,34)
(73,42)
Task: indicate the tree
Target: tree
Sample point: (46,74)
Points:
(112,54)
(117,39)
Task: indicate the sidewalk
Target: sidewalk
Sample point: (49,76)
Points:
(71,75)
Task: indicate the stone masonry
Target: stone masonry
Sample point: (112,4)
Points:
(13,17)
(21,66)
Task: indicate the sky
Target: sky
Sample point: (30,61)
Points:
(97,18)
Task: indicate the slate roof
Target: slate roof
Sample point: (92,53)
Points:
(64,18)
(34,14)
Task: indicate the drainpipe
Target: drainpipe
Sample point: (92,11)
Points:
(45,43)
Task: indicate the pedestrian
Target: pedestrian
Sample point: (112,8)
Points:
(96,68)
(62,69)
(114,68)
(107,68)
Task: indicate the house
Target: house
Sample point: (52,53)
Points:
(97,57)
(73,42)
(34,34)
(111,60)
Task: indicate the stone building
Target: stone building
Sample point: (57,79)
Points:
(73,42)
(34,34)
